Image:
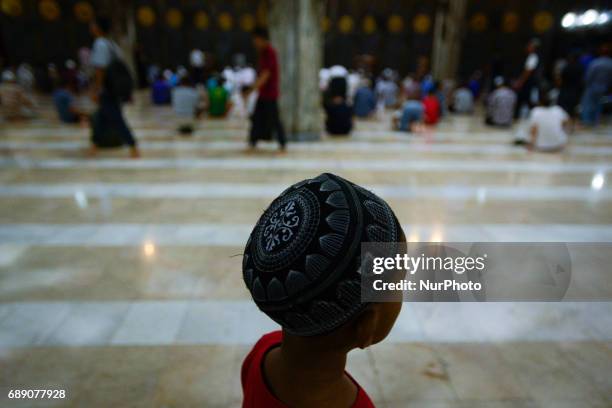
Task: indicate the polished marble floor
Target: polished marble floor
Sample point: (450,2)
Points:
(120,279)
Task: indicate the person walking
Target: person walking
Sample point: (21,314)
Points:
(266,117)
(597,81)
(571,85)
(528,81)
(111,86)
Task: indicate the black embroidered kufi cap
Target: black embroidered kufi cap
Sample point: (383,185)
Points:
(302,260)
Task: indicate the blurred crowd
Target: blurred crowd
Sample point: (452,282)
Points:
(547,109)
(550,106)
(189,91)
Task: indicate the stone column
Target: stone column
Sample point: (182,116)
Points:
(448,35)
(295,31)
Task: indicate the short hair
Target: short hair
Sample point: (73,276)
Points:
(261,32)
(104,24)
(302,260)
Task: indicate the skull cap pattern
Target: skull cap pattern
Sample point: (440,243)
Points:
(302,260)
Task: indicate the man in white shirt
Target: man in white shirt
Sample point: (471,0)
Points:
(547,127)
(528,79)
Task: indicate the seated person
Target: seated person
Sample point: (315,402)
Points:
(218,98)
(500,104)
(410,116)
(338,86)
(339,120)
(301,266)
(441,96)
(187,104)
(431,107)
(160,91)
(462,100)
(387,90)
(15,103)
(63,99)
(364,101)
(547,127)
(243,102)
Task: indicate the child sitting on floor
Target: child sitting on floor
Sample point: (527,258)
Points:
(301,265)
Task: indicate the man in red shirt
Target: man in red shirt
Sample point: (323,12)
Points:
(266,117)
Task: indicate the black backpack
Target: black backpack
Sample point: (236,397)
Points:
(118,81)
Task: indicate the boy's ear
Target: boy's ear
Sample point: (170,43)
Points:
(365,327)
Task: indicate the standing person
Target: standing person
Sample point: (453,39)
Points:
(109,117)
(266,118)
(596,83)
(528,79)
(571,85)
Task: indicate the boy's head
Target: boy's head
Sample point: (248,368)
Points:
(302,260)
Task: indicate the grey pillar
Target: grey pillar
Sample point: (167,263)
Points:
(448,35)
(296,33)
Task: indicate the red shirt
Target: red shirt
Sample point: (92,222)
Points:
(432,109)
(254,388)
(269,91)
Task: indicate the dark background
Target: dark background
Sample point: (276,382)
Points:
(32,38)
